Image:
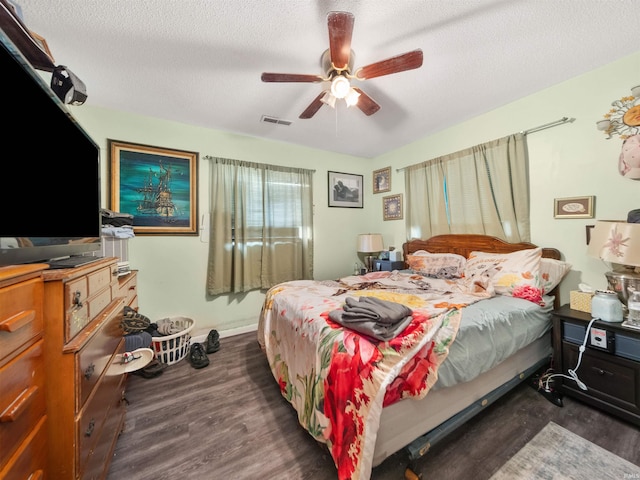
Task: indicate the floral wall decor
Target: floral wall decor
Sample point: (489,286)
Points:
(623,119)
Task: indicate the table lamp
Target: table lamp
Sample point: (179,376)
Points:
(370,243)
(618,242)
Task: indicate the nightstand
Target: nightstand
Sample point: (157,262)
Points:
(610,364)
(387,265)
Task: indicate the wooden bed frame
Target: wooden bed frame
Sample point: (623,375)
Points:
(464,244)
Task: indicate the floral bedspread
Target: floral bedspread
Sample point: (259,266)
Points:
(338,380)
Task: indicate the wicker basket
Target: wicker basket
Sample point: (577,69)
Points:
(171,349)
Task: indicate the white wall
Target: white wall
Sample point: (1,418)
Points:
(565,161)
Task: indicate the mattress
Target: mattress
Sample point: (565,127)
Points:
(490,332)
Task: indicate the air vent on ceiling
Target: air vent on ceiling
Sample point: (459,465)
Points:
(276,120)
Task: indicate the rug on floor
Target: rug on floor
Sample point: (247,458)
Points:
(556,453)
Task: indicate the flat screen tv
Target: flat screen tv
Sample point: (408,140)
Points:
(50,180)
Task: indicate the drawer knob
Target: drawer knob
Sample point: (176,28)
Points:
(600,371)
(89,371)
(76,299)
(17,321)
(89,431)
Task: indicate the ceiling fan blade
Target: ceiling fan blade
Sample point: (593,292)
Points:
(365,103)
(313,107)
(399,63)
(290,77)
(340,32)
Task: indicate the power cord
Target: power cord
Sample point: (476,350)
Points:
(573,375)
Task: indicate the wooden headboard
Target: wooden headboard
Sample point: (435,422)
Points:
(464,244)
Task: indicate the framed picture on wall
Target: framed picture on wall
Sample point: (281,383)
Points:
(158,186)
(392,207)
(574,207)
(382,180)
(345,190)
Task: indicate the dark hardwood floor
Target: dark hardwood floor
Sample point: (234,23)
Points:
(229,421)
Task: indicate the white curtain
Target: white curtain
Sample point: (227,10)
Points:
(483,189)
(261,226)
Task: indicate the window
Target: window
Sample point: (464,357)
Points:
(261,226)
(483,189)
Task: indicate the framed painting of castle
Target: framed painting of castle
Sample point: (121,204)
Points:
(157,186)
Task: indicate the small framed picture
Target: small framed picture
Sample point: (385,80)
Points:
(392,207)
(382,180)
(345,190)
(574,207)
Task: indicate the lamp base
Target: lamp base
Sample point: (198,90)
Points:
(622,283)
(368,262)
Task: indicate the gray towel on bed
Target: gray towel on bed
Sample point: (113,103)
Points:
(371,316)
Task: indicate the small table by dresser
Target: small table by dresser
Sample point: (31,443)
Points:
(610,367)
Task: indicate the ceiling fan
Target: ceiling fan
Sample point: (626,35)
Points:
(337,63)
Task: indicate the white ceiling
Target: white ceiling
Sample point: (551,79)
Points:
(199,61)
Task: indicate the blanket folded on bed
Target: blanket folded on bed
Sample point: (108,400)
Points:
(380,319)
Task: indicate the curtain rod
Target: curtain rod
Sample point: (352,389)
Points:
(209,157)
(562,121)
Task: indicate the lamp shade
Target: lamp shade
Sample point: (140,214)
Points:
(616,242)
(370,242)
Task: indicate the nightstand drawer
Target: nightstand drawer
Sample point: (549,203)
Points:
(606,376)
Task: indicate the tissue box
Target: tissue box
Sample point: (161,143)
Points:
(580,300)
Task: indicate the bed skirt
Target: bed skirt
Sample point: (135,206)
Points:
(403,422)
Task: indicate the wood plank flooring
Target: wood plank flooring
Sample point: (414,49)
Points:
(229,421)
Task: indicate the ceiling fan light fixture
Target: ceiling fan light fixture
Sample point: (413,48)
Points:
(352,97)
(329,99)
(340,86)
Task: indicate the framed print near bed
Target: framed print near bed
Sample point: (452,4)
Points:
(158,186)
(392,207)
(382,180)
(345,190)
(574,207)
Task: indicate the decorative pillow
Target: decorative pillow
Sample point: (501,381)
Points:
(437,265)
(551,272)
(515,274)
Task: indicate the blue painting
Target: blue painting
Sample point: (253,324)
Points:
(156,186)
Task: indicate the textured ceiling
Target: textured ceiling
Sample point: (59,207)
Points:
(199,61)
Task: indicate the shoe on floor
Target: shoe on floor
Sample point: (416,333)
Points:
(212,344)
(197,356)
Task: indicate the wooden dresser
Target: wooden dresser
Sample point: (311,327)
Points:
(83,338)
(23,419)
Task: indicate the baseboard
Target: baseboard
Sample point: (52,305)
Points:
(201,338)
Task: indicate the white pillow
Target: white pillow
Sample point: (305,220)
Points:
(515,274)
(551,272)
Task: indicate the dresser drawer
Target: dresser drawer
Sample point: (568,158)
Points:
(30,458)
(20,322)
(94,356)
(85,298)
(99,279)
(22,402)
(95,465)
(94,421)
(128,287)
